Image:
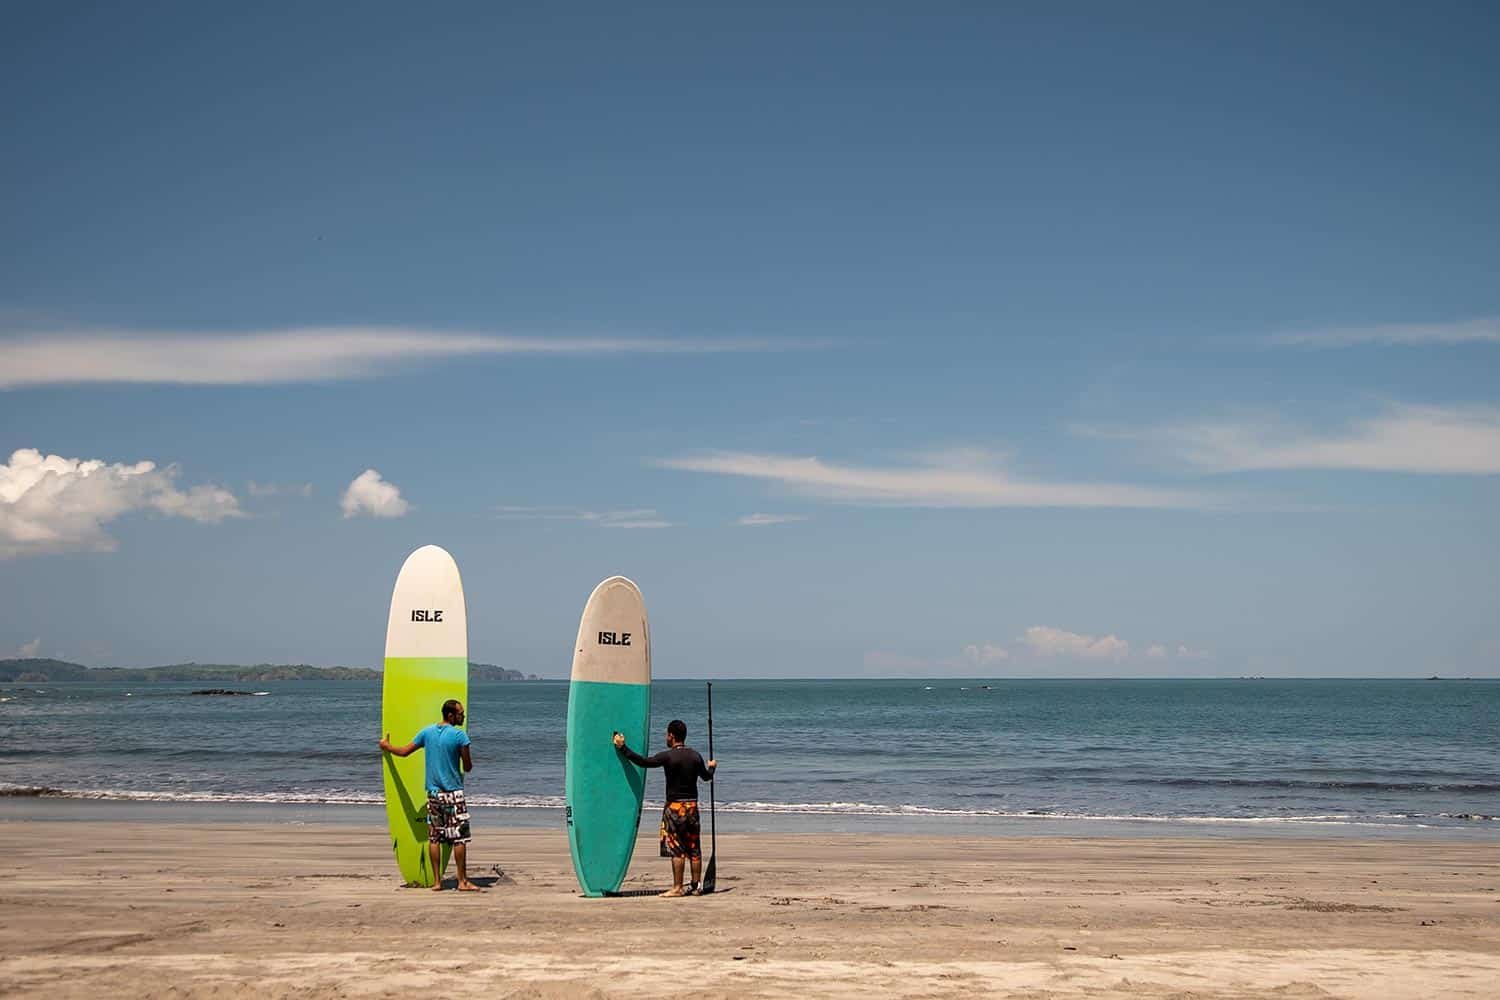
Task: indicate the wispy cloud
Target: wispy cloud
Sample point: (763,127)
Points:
(949,479)
(983,653)
(1416,439)
(883,661)
(1044,648)
(303,354)
(30,649)
(644,517)
(1485,330)
(1048,642)
(51,504)
(278,489)
(628,519)
(763,520)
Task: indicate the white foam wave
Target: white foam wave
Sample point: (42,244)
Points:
(355,797)
(875,809)
(155,795)
(344,797)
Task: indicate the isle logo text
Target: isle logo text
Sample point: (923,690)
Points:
(614,638)
(426,616)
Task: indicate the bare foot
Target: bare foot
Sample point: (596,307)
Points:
(676,890)
(437,886)
(467,886)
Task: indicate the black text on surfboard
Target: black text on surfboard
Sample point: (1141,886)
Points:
(614,638)
(426,616)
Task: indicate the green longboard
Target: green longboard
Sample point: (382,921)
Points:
(426,663)
(610,692)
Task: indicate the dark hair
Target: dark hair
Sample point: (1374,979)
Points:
(450,708)
(678,729)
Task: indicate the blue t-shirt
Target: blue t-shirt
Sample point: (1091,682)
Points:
(442,743)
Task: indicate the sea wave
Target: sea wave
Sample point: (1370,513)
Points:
(875,809)
(908,810)
(160,795)
(1307,783)
(294,797)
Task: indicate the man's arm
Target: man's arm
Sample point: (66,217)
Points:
(655,760)
(706,771)
(463,755)
(406,751)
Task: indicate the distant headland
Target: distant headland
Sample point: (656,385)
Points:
(47,671)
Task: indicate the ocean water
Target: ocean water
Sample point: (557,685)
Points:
(1256,756)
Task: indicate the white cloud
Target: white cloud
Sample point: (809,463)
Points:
(279,489)
(1044,640)
(947,479)
(980,654)
(762,520)
(300,354)
(1485,330)
(53,504)
(371,495)
(645,517)
(1419,439)
(30,649)
(1156,651)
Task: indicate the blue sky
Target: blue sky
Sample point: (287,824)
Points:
(1033,341)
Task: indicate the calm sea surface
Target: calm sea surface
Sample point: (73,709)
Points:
(1257,755)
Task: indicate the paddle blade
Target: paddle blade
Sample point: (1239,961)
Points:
(709,875)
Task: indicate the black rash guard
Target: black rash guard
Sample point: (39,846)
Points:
(683,765)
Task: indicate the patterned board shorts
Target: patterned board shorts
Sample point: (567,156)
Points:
(447,818)
(679,831)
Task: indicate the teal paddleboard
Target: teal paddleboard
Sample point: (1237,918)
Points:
(610,692)
(426,663)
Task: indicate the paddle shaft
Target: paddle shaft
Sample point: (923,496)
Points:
(713,826)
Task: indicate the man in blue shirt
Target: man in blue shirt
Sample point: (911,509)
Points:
(447,746)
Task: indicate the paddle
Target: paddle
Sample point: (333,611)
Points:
(710,873)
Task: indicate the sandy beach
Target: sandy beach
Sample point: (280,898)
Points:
(246,909)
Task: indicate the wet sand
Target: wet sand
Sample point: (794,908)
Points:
(228,910)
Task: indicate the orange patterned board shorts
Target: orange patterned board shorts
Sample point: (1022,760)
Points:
(679,831)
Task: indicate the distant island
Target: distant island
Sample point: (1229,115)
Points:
(44,671)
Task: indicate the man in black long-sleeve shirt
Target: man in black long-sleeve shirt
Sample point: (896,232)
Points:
(683,767)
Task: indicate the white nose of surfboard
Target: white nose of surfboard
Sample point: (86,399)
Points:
(428,616)
(614,641)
